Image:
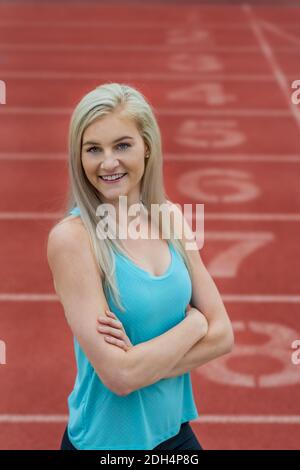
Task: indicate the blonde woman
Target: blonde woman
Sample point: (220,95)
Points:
(144,311)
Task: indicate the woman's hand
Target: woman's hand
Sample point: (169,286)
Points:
(114,331)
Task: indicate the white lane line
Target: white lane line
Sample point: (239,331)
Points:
(36,418)
(33,156)
(180,158)
(28,298)
(272,61)
(234,298)
(248,419)
(229,236)
(128,25)
(278,31)
(184,76)
(241,216)
(30,215)
(209,419)
(193,48)
(271,113)
(290,299)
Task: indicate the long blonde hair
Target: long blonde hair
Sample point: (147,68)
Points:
(103,100)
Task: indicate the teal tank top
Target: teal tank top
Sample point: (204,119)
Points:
(100,419)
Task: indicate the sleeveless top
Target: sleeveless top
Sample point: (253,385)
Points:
(100,419)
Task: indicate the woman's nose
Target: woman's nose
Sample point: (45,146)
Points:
(109,164)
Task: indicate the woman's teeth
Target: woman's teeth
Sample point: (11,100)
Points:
(113,178)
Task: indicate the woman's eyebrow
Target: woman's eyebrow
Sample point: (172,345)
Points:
(117,140)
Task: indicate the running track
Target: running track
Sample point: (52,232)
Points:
(219,79)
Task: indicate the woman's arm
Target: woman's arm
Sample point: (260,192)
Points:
(217,342)
(206,298)
(150,361)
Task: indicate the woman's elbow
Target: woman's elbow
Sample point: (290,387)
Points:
(116,383)
(228,339)
(122,386)
(119,389)
(222,336)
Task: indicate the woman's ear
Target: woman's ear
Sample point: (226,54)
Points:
(147,151)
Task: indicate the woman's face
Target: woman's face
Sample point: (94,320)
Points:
(112,145)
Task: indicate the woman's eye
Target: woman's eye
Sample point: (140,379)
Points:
(94,149)
(89,150)
(124,143)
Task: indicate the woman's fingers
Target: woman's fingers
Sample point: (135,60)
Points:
(110,321)
(111,331)
(114,330)
(117,322)
(110,314)
(117,342)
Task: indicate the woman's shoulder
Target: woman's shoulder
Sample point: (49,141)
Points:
(67,233)
(70,235)
(68,226)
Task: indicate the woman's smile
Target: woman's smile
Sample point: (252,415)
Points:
(113,179)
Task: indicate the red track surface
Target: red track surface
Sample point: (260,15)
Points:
(219,79)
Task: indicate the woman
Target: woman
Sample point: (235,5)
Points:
(143,311)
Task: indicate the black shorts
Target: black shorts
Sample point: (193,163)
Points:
(184,440)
